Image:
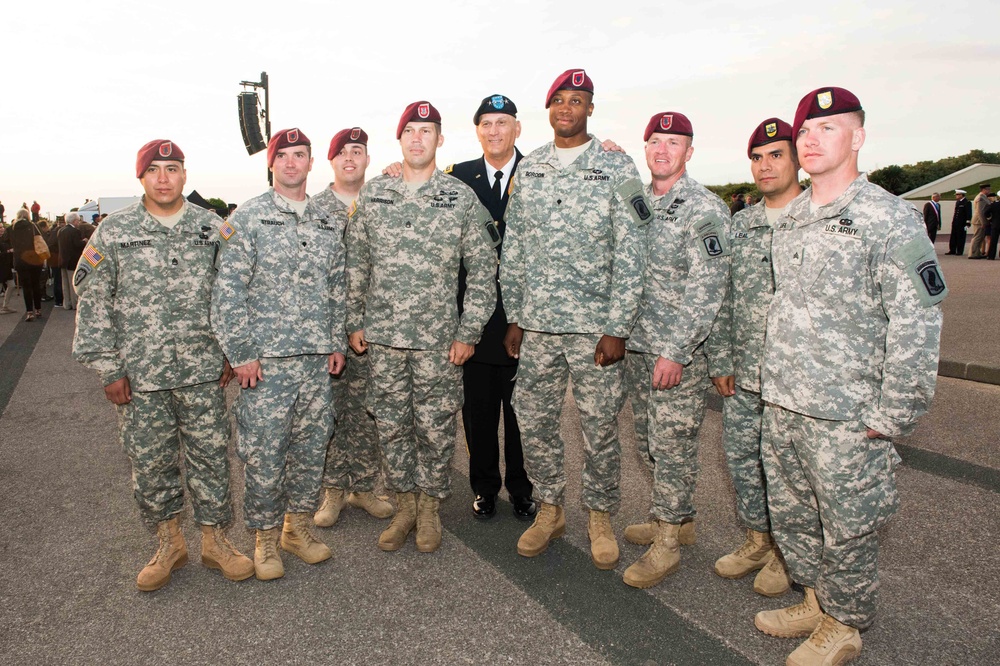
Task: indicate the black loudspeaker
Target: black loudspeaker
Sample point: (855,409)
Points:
(250,122)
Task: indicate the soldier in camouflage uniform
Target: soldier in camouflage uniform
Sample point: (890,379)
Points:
(571,276)
(734,353)
(352,455)
(850,361)
(405,243)
(278,311)
(144,282)
(687,273)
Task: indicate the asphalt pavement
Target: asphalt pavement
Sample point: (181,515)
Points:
(71,544)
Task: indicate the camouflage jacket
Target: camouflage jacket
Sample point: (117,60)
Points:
(335,208)
(403,253)
(854,327)
(280,288)
(144,294)
(737,340)
(573,255)
(687,271)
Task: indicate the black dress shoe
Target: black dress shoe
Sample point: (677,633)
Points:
(484,507)
(524,507)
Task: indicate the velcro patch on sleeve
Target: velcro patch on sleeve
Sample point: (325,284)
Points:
(631,193)
(712,240)
(918,260)
(227,230)
(492,233)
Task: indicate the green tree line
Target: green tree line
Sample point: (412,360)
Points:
(894,178)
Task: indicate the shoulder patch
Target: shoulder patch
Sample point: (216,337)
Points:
(918,260)
(631,193)
(492,233)
(353,209)
(81,274)
(510,187)
(92,256)
(227,230)
(449,168)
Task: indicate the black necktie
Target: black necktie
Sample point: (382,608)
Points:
(496,185)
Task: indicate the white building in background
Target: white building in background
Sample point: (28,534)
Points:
(967,179)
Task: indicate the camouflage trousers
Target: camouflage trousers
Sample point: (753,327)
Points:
(153,427)
(666,432)
(548,361)
(829,488)
(352,459)
(283,426)
(741,416)
(415,396)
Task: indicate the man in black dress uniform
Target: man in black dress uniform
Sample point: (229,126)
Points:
(959,222)
(489,374)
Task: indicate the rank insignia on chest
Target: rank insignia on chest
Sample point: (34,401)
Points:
(227,230)
(92,256)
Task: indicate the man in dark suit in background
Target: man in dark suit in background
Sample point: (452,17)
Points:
(932,216)
(489,374)
(959,223)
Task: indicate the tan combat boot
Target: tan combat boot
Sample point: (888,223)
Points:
(773,580)
(832,643)
(266,559)
(329,510)
(603,546)
(550,523)
(662,559)
(642,534)
(753,554)
(299,541)
(428,523)
(376,506)
(218,553)
(402,523)
(172,553)
(793,621)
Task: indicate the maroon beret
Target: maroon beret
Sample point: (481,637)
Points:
(418,112)
(668,122)
(824,102)
(158,149)
(571,79)
(344,137)
(769,131)
(285,139)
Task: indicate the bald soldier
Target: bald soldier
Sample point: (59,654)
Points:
(144,283)
(684,284)
(405,243)
(850,362)
(734,353)
(278,311)
(352,457)
(571,278)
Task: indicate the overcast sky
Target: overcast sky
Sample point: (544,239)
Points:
(86,84)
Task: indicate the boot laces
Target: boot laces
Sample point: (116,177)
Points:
(600,522)
(223,541)
(163,534)
(748,548)
(801,608)
(825,631)
(270,548)
(425,518)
